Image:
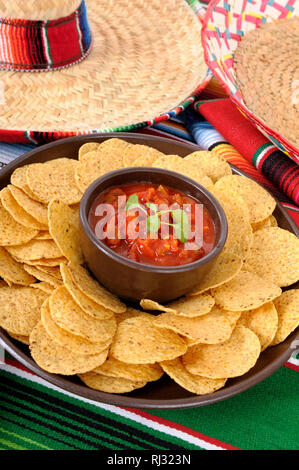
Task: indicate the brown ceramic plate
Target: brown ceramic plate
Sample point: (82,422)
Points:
(164,393)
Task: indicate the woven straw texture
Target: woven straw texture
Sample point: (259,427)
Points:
(146,59)
(268,95)
(37,9)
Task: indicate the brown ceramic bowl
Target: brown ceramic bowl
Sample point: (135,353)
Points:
(165,393)
(134,281)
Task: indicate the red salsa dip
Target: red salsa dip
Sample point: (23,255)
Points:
(152,224)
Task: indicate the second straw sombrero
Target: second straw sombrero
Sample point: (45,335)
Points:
(69,67)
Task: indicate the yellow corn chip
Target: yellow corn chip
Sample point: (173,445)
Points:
(89,306)
(64,229)
(239,237)
(36,209)
(48,263)
(139,341)
(44,286)
(193,383)
(11,232)
(245,291)
(214,327)
(67,340)
(19,180)
(20,309)
(22,339)
(13,271)
(35,249)
(56,359)
(86,148)
(260,203)
(232,358)
(70,317)
(287,306)
(186,307)
(92,289)
(109,384)
(43,235)
(88,170)
(17,212)
(210,163)
(134,151)
(136,372)
(54,179)
(225,268)
(274,255)
(42,276)
(263,321)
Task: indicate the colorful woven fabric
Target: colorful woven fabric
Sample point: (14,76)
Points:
(224,26)
(35,415)
(44,45)
(252,145)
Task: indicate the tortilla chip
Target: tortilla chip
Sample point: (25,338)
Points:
(114,144)
(260,203)
(56,359)
(186,307)
(42,276)
(246,291)
(88,170)
(64,229)
(239,237)
(17,212)
(210,163)
(20,309)
(263,224)
(53,271)
(35,249)
(144,160)
(139,341)
(88,306)
(13,271)
(214,327)
(193,383)
(232,358)
(67,340)
(18,179)
(36,209)
(43,235)
(11,232)
(86,148)
(92,289)
(287,306)
(44,286)
(134,151)
(263,321)
(54,179)
(274,255)
(22,339)
(70,317)
(109,384)
(136,372)
(225,268)
(110,159)
(129,313)
(48,263)
(193,171)
(168,162)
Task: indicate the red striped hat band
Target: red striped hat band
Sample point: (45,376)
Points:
(32,46)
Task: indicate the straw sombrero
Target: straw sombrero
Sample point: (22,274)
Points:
(70,67)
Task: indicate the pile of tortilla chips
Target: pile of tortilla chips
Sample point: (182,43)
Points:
(73,325)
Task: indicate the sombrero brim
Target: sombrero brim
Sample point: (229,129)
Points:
(146,59)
